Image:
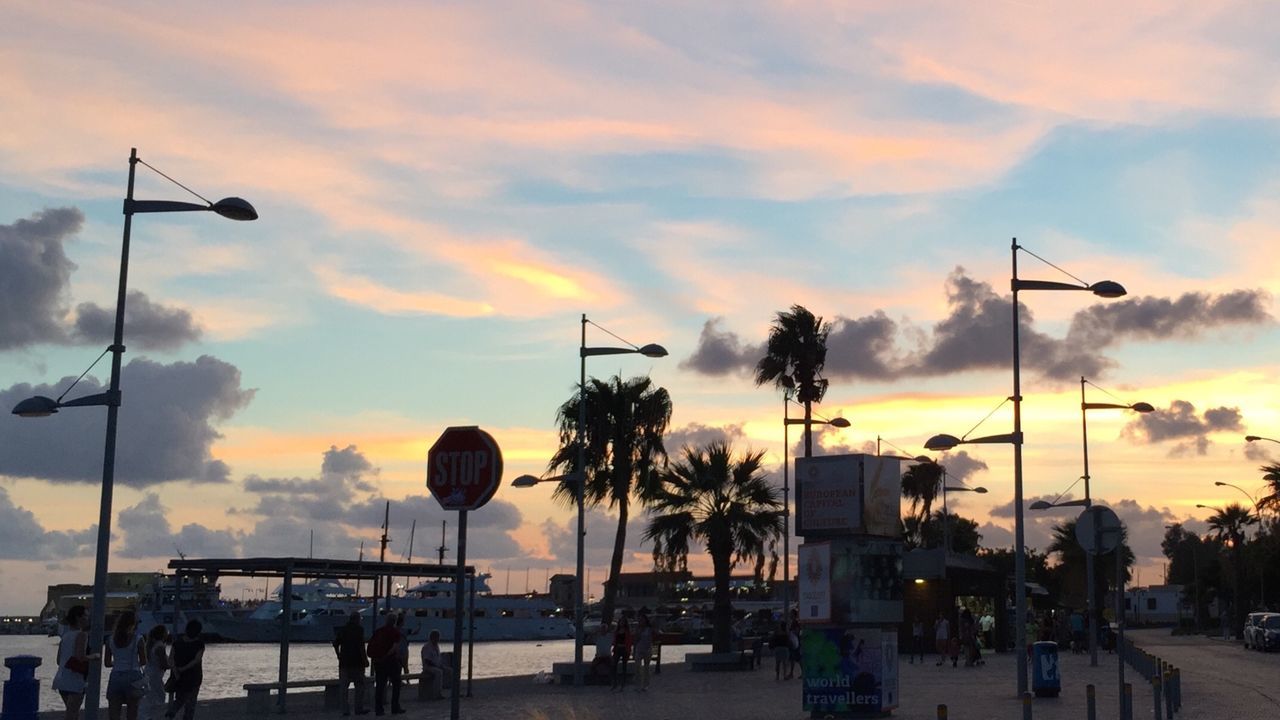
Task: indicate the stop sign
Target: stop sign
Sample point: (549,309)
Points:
(464,468)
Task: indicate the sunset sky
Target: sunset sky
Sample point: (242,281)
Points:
(445,187)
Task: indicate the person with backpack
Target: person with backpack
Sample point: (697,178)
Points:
(384,654)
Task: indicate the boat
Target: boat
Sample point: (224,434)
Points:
(152,598)
(316,609)
(431,606)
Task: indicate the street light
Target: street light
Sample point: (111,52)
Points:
(787,422)
(1105,289)
(1253,438)
(650,351)
(1091,581)
(232,208)
(1257,509)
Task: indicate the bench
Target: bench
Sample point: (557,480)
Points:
(744,658)
(260,693)
(563,671)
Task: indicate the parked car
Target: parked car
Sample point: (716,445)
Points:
(1254,634)
(1267,636)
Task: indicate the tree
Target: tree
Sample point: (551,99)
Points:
(793,361)
(722,501)
(1228,525)
(963,531)
(623,439)
(921,484)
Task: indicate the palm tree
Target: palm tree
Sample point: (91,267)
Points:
(623,437)
(726,503)
(921,484)
(1228,526)
(1271,473)
(793,360)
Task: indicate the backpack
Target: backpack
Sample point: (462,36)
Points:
(379,645)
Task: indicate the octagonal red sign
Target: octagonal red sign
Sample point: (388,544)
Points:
(464,468)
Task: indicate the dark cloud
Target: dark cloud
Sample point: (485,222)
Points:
(23,538)
(147,533)
(976,335)
(488,529)
(1256,452)
(1144,523)
(166,427)
(1150,318)
(34,275)
(1179,422)
(148,325)
(721,352)
(961,465)
(698,435)
(601,529)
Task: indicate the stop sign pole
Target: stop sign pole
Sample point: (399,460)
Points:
(464,469)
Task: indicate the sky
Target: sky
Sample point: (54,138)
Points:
(445,188)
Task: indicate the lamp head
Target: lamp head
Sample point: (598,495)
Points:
(1142,407)
(653,350)
(1251,438)
(234,208)
(38,406)
(839,422)
(1203,507)
(524,481)
(1040,505)
(941,442)
(1108,289)
(980,490)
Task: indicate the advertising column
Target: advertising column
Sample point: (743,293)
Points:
(850,583)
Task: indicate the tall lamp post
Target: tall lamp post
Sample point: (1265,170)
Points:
(232,208)
(579,608)
(1255,438)
(1257,510)
(1085,406)
(787,422)
(1103,288)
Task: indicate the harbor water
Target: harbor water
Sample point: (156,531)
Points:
(228,666)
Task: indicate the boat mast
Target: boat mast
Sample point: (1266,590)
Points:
(412,529)
(382,557)
(441,550)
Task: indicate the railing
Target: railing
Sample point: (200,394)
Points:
(1165,680)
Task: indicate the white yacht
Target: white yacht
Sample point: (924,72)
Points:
(316,609)
(430,606)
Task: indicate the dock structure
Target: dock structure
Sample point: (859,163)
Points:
(287,568)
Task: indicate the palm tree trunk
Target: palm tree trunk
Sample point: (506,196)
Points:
(808,428)
(615,564)
(722,610)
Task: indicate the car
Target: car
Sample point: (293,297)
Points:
(1267,636)
(1253,633)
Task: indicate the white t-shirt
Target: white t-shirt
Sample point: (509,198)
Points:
(942,630)
(65,680)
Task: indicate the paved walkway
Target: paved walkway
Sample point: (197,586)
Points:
(677,694)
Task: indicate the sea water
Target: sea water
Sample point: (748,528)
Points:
(228,666)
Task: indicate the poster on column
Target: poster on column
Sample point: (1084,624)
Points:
(849,670)
(815,582)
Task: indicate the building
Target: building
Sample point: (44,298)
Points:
(1157,605)
(935,582)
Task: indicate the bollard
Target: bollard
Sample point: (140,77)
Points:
(1177,689)
(1026,705)
(1167,682)
(1126,703)
(22,689)
(1155,698)
(1091,702)
(942,712)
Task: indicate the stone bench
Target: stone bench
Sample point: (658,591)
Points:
(260,693)
(714,662)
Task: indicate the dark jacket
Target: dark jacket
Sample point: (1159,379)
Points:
(348,641)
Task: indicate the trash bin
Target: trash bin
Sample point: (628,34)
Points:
(1045,678)
(22,689)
